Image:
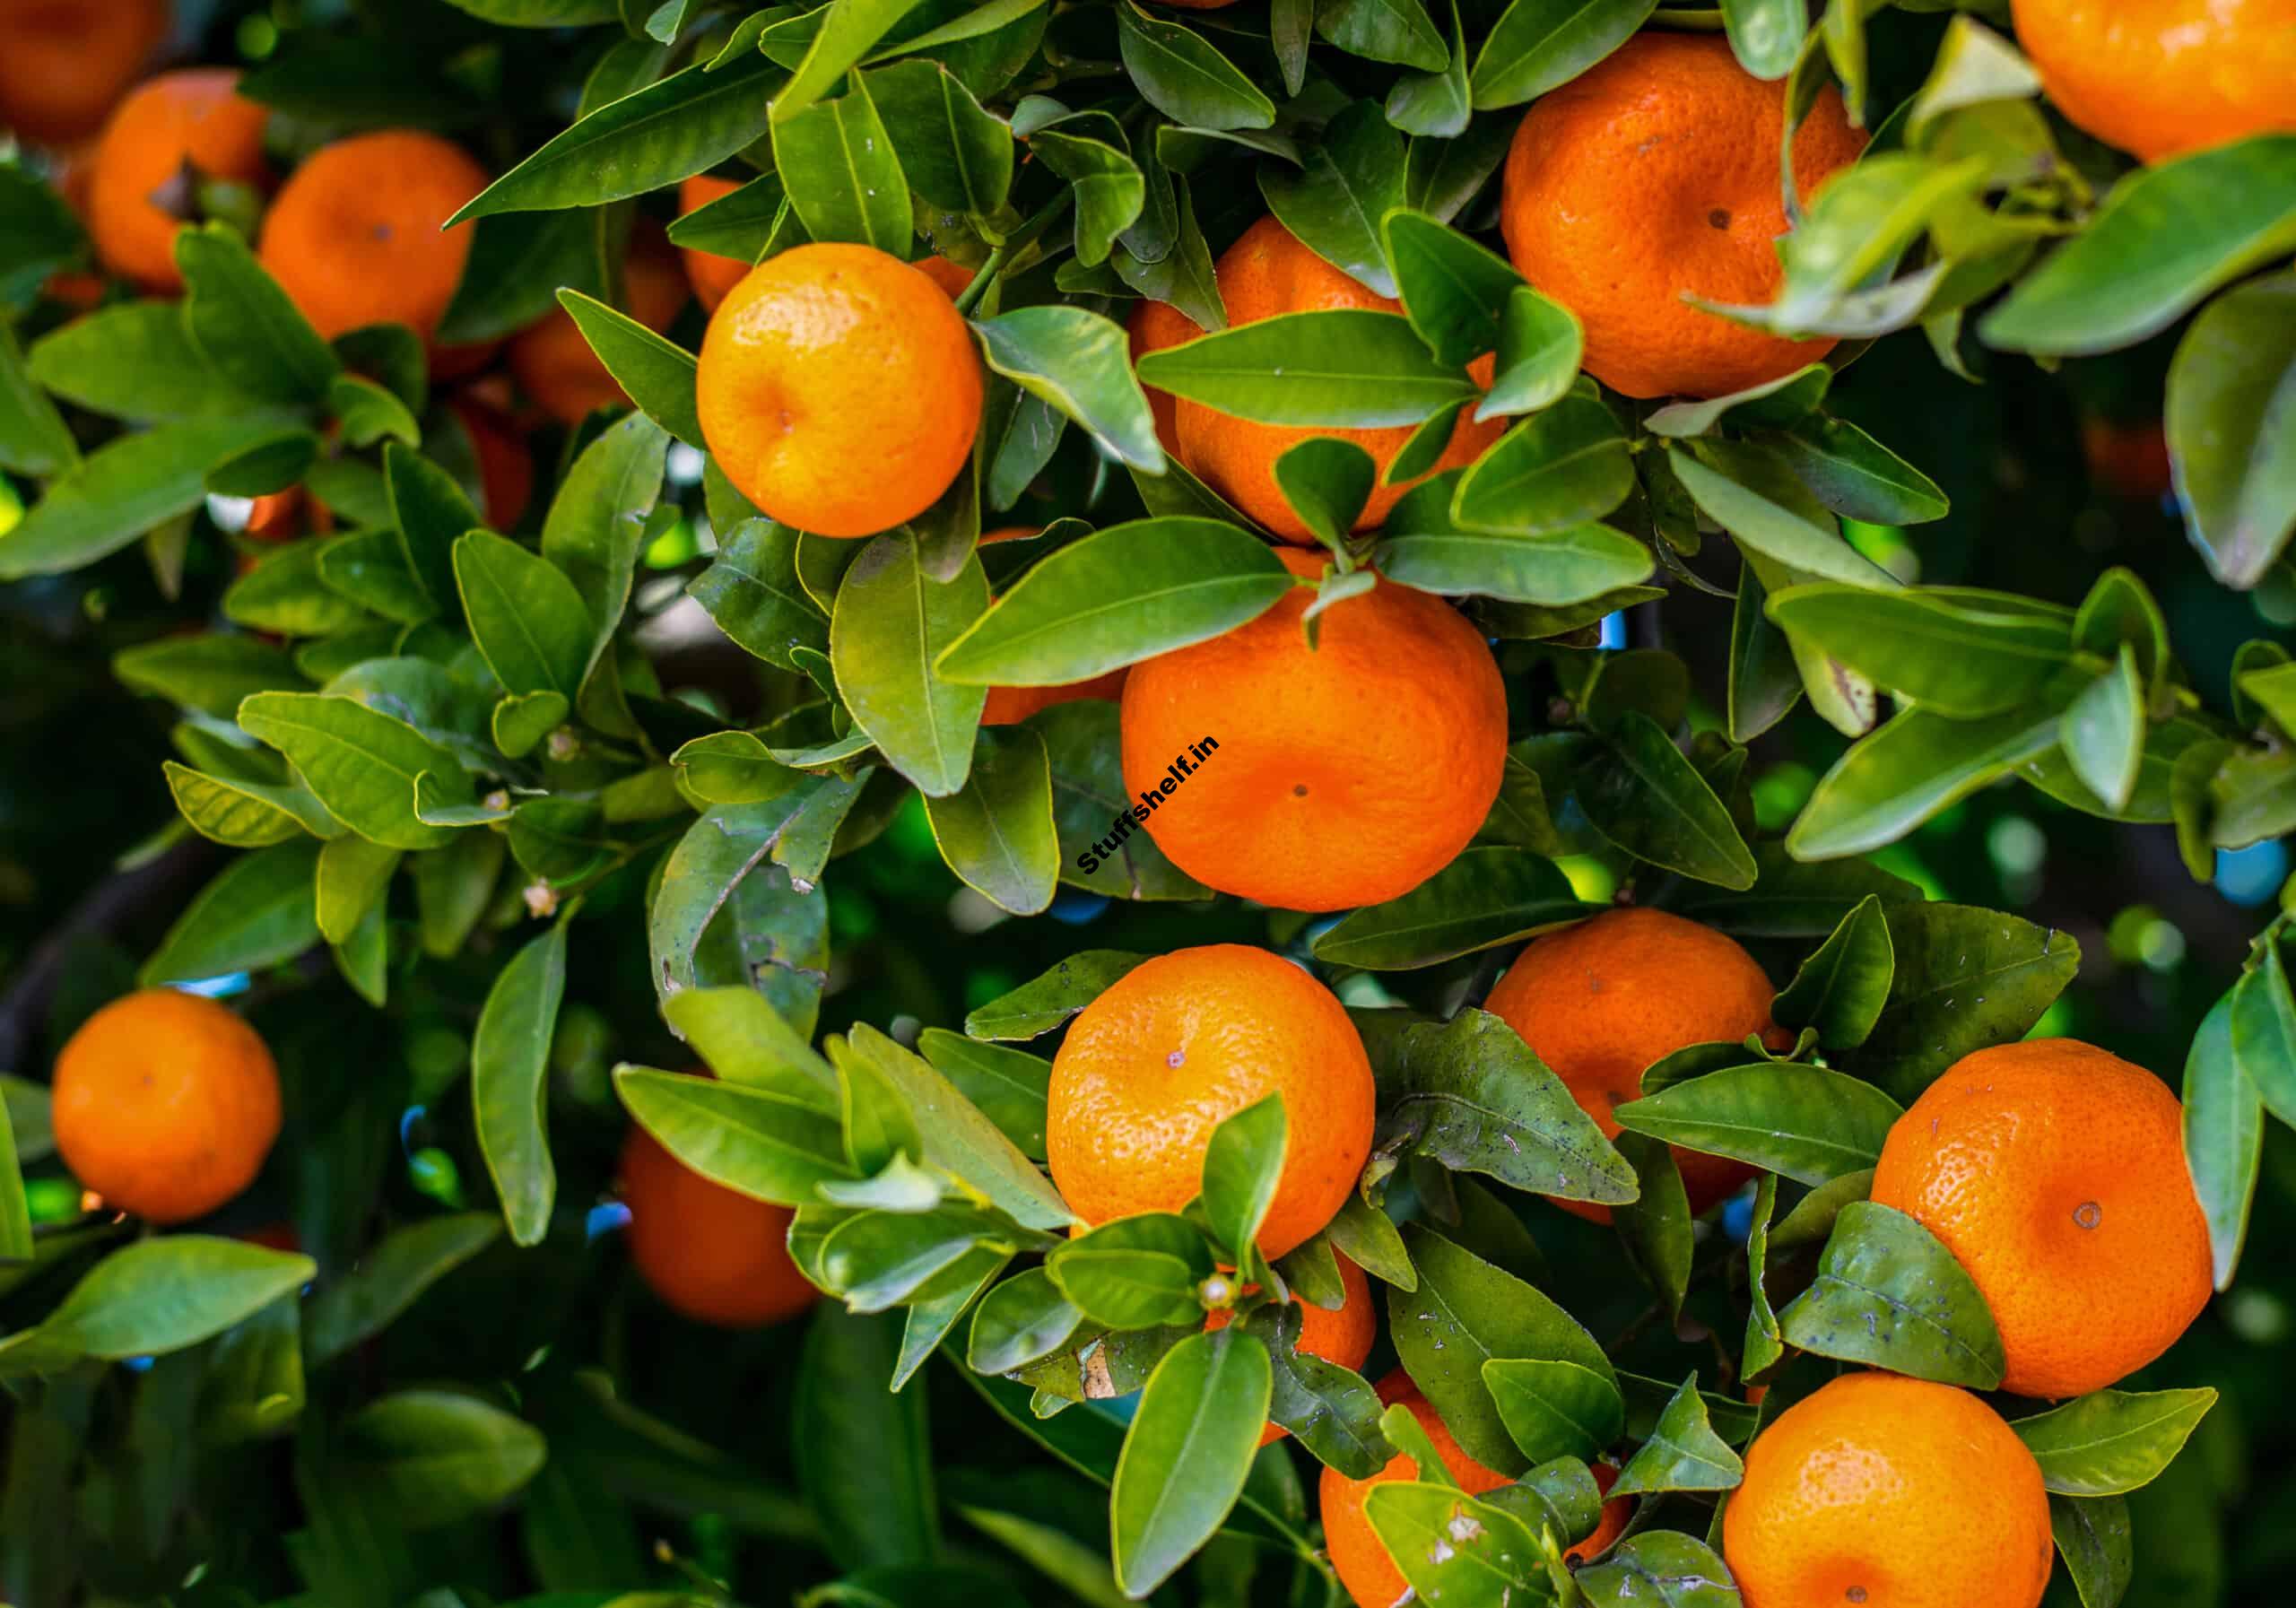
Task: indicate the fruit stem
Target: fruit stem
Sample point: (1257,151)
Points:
(969,297)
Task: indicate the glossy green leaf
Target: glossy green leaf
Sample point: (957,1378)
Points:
(2232,393)
(1889,1294)
(1556,1409)
(123,489)
(1187,1456)
(1241,1166)
(235,313)
(1351,369)
(1464,1312)
(891,625)
(1855,475)
(843,175)
(1540,345)
(510,1065)
(1537,45)
(687,123)
(1182,76)
(156,1296)
(848,31)
(1683,1453)
(2223,1128)
(2110,1442)
(1802,1122)
(1663,1568)
(525,616)
(361,764)
(656,372)
(1559,468)
(361,1303)
(1644,795)
(1841,989)
(1949,654)
(1450,1547)
(2166,237)
(1078,361)
(434,1456)
(953,152)
(1484,898)
(260,909)
(2092,1535)
(1334,202)
(1894,781)
(1183,581)
(1390,30)
(1966,980)
(2104,732)
(752,1140)
(1746,503)
(1043,1002)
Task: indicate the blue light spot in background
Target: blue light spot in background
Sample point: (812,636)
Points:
(216,987)
(1615,629)
(2251,875)
(608,1219)
(140,1365)
(1738,1217)
(407,1120)
(1076,907)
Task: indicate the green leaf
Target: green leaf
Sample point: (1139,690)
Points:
(1766,35)
(1473,1096)
(844,176)
(1966,980)
(1951,654)
(353,879)
(956,154)
(1804,1122)
(1452,1548)
(958,1138)
(136,360)
(848,31)
(754,1142)
(1889,1294)
(864,1455)
(722,915)
(1023,1320)
(1549,570)
(430,512)
(687,123)
(1335,201)
(358,1305)
(525,616)
(1641,792)
(996,832)
(1894,781)
(260,909)
(1540,345)
(1484,898)
(1855,475)
(1537,45)
(1182,582)
(1559,468)
(2264,1031)
(2165,237)
(1136,1272)
(656,372)
(1433,104)
(361,764)
(1556,1409)
(1328,481)
(1042,1004)
(1465,1312)
(1187,1456)
(244,814)
(596,523)
(1387,30)
(1841,989)
(154,1297)
(510,1065)
(434,1456)
(2104,732)
(2110,1442)
(1241,1165)
(517,262)
(2232,391)
(122,490)
(1007,1086)
(1746,503)
(34,440)
(16,1214)
(1079,362)
(2092,1536)
(752,590)
(237,315)
(889,630)
(1683,1453)
(2223,1125)
(1344,367)
(1108,185)
(1765,1346)
(1659,1568)
(1179,73)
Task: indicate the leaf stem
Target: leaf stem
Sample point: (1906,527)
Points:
(969,297)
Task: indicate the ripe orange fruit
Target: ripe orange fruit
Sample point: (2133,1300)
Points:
(2054,1172)
(1652,176)
(506,472)
(1177,1045)
(717,1257)
(354,236)
(1609,1526)
(1343,775)
(137,199)
(710,274)
(1153,326)
(1343,1335)
(1357,1554)
(553,359)
(1266,273)
(1892,1492)
(839,389)
(2159,78)
(1009,706)
(952,277)
(1601,1000)
(63,63)
(165,1104)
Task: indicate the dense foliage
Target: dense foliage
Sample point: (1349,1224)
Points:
(497,834)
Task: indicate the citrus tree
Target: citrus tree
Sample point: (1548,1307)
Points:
(1631,623)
